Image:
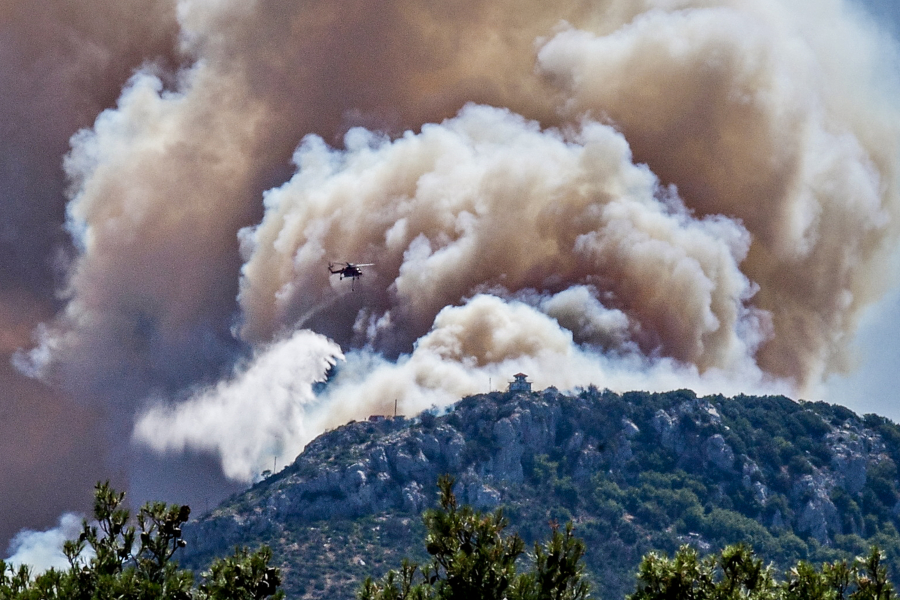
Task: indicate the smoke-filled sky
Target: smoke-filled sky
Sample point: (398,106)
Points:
(638,194)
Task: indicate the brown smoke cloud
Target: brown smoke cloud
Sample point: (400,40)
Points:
(60,64)
(754,113)
(162,184)
(489,200)
(742,106)
(51,448)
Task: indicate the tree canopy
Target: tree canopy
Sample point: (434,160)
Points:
(736,573)
(114,559)
(472,558)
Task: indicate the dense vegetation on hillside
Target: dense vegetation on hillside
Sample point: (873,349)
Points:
(474,557)
(635,472)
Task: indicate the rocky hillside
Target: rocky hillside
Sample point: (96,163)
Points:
(635,472)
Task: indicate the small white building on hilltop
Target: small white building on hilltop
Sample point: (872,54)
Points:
(520,383)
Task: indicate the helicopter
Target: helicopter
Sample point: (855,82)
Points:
(349,270)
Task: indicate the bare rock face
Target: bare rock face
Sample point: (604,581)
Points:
(452,446)
(850,470)
(751,475)
(818,514)
(472,490)
(623,450)
(589,462)
(666,426)
(718,453)
(409,465)
(760,493)
(681,428)
(414,499)
(629,429)
(506,464)
(852,447)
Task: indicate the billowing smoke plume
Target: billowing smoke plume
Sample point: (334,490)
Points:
(757,113)
(711,207)
(488,201)
(636,194)
(61,62)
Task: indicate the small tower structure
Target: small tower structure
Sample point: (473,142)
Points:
(520,383)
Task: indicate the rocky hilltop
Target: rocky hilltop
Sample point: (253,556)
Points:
(635,472)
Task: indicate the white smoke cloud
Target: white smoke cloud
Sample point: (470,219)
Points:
(487,339)
(253,418)
(489,199)
(42,550)
(269,409)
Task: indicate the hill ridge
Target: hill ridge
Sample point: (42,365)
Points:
(635,471)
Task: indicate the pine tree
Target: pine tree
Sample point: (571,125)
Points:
(473,558)
(114,559)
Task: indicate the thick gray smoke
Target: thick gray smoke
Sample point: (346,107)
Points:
(636,194)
